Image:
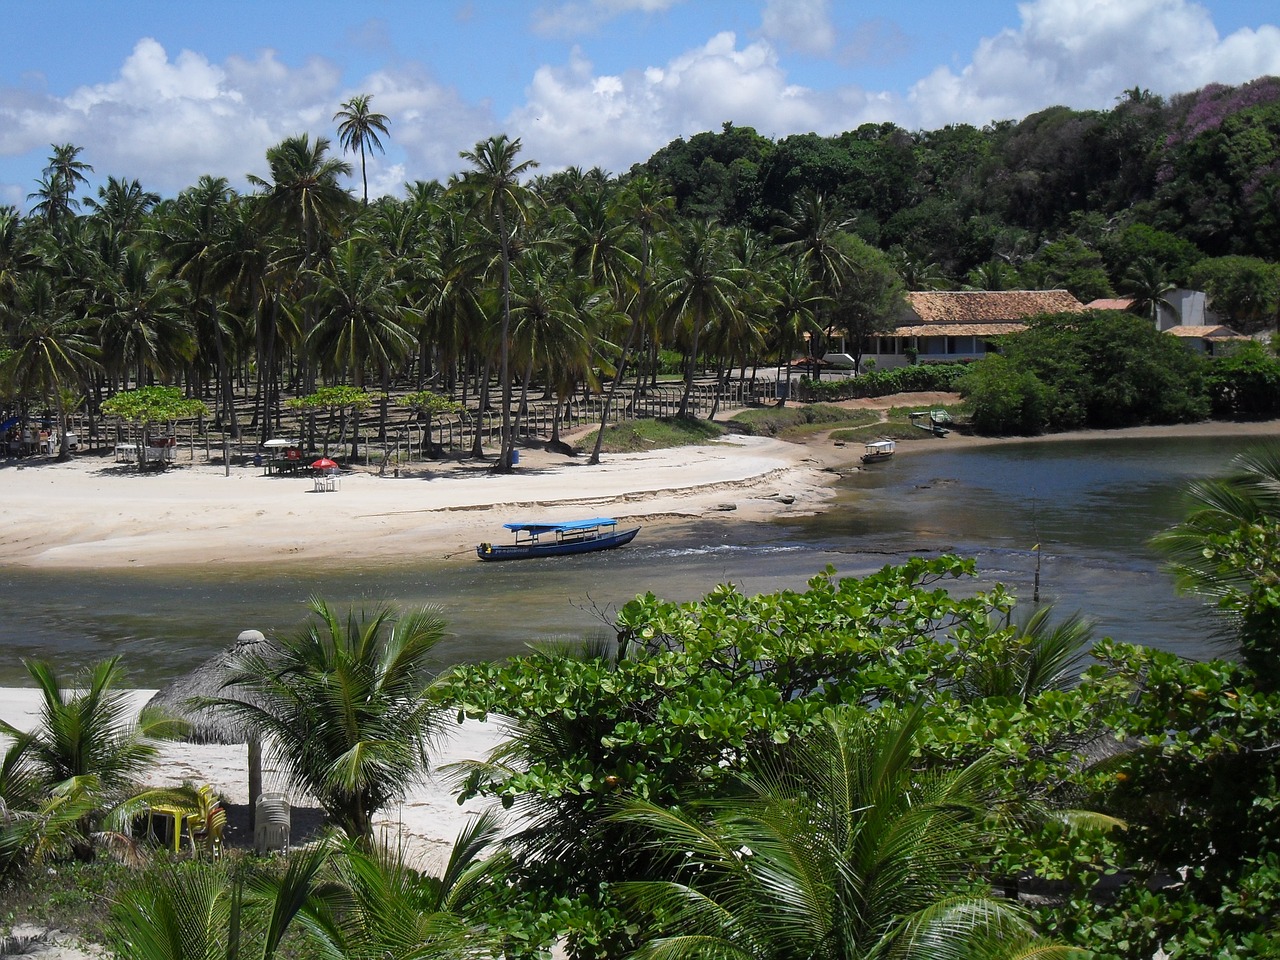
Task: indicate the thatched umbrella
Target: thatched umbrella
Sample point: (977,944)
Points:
(185,699)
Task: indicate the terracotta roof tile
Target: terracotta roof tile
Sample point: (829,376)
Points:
(1109,303)
(959,329)
(1208,333)
(988,306)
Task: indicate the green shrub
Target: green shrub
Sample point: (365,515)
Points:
(1005,399)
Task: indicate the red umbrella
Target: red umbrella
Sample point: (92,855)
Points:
(324,463)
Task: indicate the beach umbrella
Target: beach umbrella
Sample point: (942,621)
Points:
(324,463)
(184,699)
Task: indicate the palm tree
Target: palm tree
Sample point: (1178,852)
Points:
(842,846)
(190,909)
(1149,286)
(123,204)
(702,287)
(359,319)
(52,354)
(143,324)
(59,180)
(86,753)
(304,202)
(86,729)
(498,196)
(645,204)
(992,275)
(795,311)
(345,707)
(359,130)
(1245,504)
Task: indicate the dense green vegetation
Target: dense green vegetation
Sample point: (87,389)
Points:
(724,252)
(866,766)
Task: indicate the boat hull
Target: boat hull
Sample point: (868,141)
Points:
(525,551)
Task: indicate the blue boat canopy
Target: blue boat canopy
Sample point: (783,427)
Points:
(568,525)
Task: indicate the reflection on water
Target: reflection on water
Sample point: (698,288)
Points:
(1091,507)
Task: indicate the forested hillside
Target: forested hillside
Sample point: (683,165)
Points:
(1060,192)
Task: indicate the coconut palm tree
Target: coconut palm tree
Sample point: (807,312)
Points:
(144,326)
(644,204)
(56,196)
(1149,285)
(182,910)
(85,755)
(359,318)
(840,846)
(1246,503)
(498,197)
(345,707)
(52,352)
(702,288)
(359,129)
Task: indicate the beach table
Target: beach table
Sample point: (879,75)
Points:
(126,452)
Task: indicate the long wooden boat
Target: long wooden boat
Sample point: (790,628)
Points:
(558,539)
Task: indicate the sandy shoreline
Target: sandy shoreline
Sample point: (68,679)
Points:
(91,513)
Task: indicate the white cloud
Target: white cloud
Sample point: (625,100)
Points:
(573,117)
(801,25)
(168,120)
(571,18)
(1084,53)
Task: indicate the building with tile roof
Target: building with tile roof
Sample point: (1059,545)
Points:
(960,324)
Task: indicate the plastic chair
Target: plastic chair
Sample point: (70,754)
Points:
(271,825)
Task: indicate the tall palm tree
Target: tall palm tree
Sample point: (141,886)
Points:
(303,202)
(346,707)
(359,320)
(702,287)
(60,178)
(498,196)
(1149,285)
(359,129)
(645,204)
(123,204)
(144,326)
(795,311)
(52,351)
(842,847)
(1245,503)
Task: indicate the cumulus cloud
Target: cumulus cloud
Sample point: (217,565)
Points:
(1084,53)
(801,25)
(571,18)
(573,116)
(167,120)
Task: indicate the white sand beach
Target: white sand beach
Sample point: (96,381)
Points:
(92,513)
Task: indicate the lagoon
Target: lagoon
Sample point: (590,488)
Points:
(1090,505)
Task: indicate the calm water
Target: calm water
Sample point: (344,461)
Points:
(1091,506)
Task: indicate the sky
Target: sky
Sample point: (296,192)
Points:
(168,90)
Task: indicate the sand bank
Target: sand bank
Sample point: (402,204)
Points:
(92,513)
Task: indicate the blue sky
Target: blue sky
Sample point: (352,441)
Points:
(165,91)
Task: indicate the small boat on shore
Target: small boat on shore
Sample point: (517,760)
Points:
(935,421)
(878,450)
(558,539)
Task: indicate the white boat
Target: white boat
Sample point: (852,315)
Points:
(878,450)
